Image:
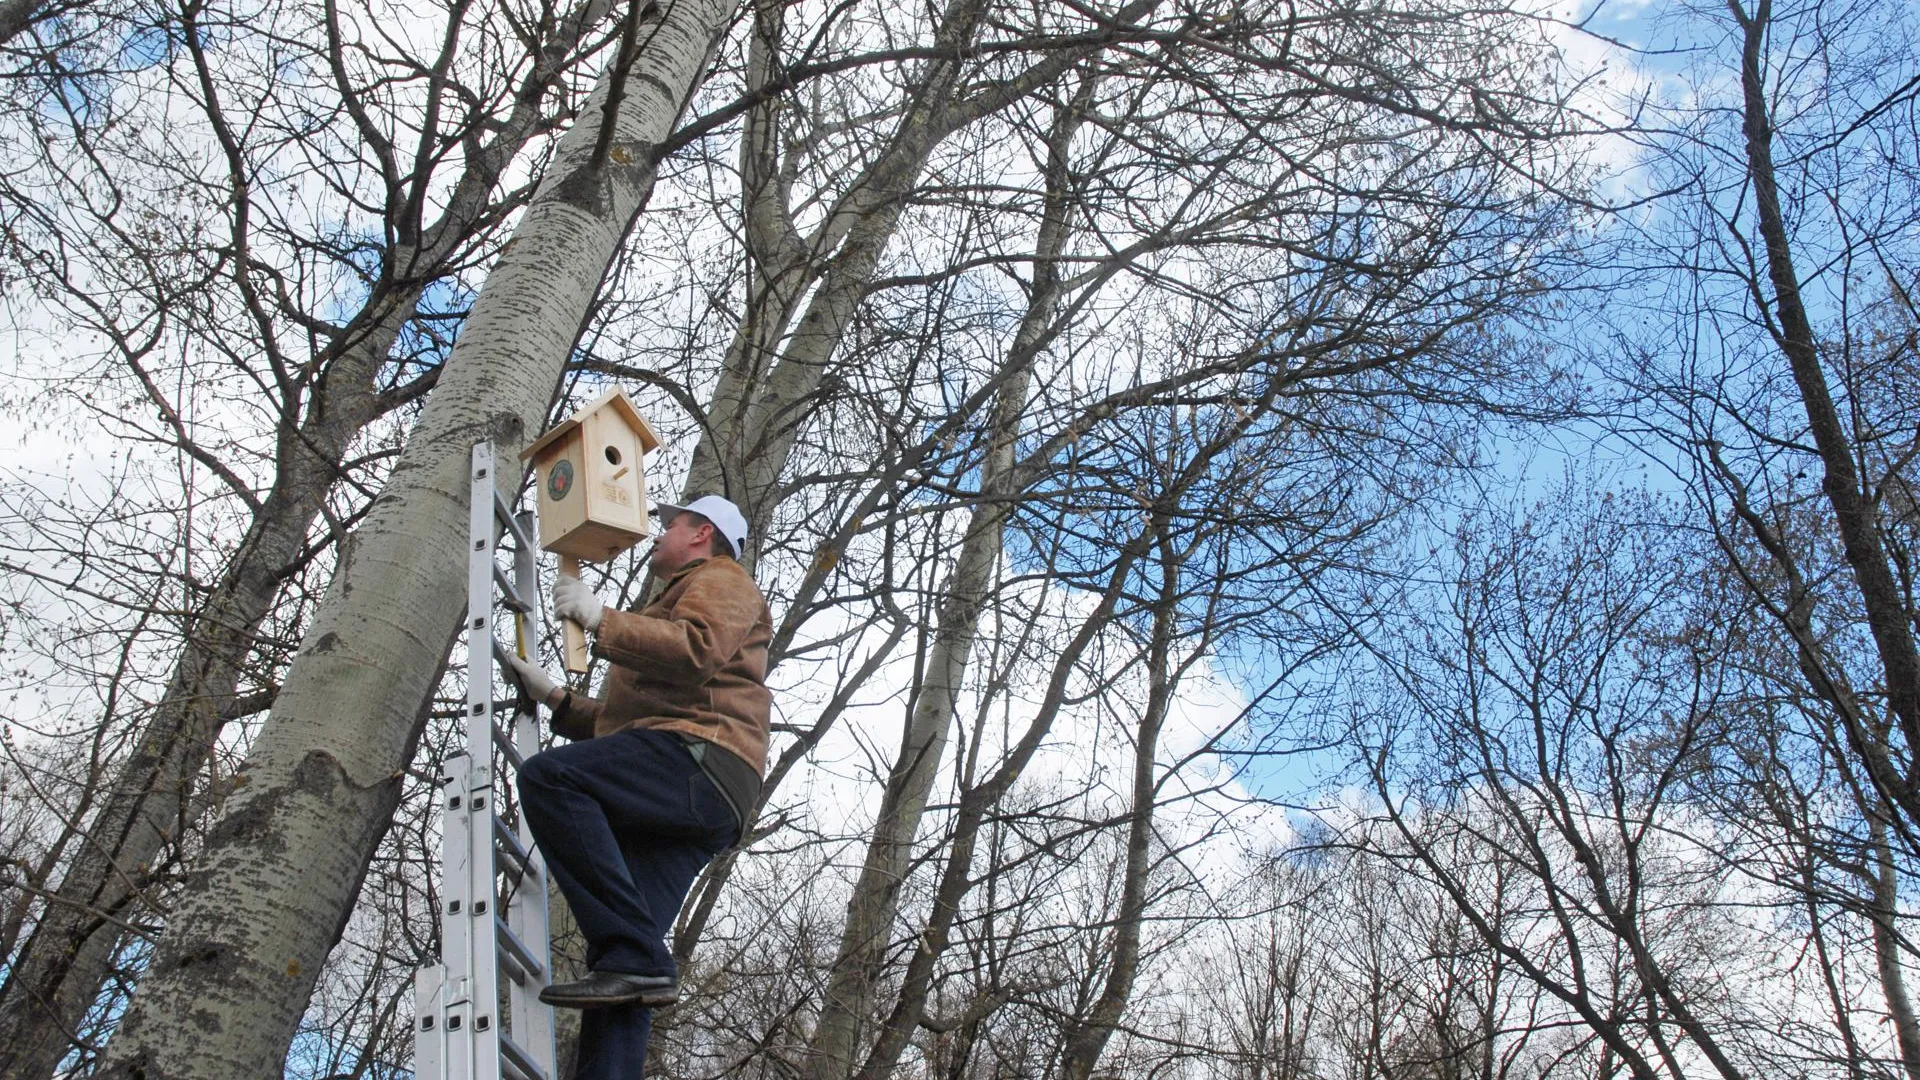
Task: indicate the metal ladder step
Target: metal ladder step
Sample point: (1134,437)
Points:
(508,519)
(518,1063)
(504,743)
(510,844)
(508,594)
(521,965)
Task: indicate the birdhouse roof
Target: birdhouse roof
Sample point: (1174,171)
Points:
(614,399)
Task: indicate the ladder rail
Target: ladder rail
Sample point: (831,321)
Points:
(527,908)
(483,970)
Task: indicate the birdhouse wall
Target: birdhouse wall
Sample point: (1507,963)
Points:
(617,494)
(558,470)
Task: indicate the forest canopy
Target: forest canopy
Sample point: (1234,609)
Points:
(1306,539)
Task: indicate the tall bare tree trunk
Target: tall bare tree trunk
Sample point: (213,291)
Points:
(60,970)
(978,801)
(1888,618)
(1087,1041)
(956,879)
(61,967)
(761,400)
(1888,951)
(17,15)
(759,404)
(870,911)
(232,975)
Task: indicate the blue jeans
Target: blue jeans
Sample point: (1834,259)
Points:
(626,822)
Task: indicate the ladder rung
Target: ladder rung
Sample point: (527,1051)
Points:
(507,749)
(522,966)
(504,514)
(514,872)
(508,594)
(518,1061)
(510,967)
(510,846)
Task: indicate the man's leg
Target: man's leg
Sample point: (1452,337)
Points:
(587,803)
(613,1042)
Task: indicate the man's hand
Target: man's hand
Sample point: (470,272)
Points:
(534,681)
(573,600)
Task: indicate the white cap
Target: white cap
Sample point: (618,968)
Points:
(725,516)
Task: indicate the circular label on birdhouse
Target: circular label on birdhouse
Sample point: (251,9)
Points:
(560,479)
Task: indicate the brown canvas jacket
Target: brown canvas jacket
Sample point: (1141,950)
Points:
(694,661)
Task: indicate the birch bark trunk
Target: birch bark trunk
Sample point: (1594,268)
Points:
(231,977)
(59,972)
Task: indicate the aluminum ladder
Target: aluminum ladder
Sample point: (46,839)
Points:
(461,1031)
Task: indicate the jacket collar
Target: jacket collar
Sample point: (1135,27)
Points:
(688,569)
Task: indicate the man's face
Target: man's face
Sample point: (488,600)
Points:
(685,539)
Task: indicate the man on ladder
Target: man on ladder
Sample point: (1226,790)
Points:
(661,775)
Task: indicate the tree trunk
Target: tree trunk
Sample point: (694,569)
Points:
(1887,949)
(1854,512)
(956,878)
(16,16)
(758,405)
(231,977)
(870,910)
(1089,1040)
(59,972)
(976,802)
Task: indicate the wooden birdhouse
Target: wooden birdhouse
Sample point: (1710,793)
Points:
(593,488)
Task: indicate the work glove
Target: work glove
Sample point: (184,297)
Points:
(573,600)
(534,681)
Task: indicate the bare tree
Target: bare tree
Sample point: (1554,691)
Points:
(1192,223)
(280,872)
(1551,736)
(1791,410)
(326,380)
(1803,270)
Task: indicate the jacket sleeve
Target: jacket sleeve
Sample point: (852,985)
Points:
(572,718)
(706,628)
